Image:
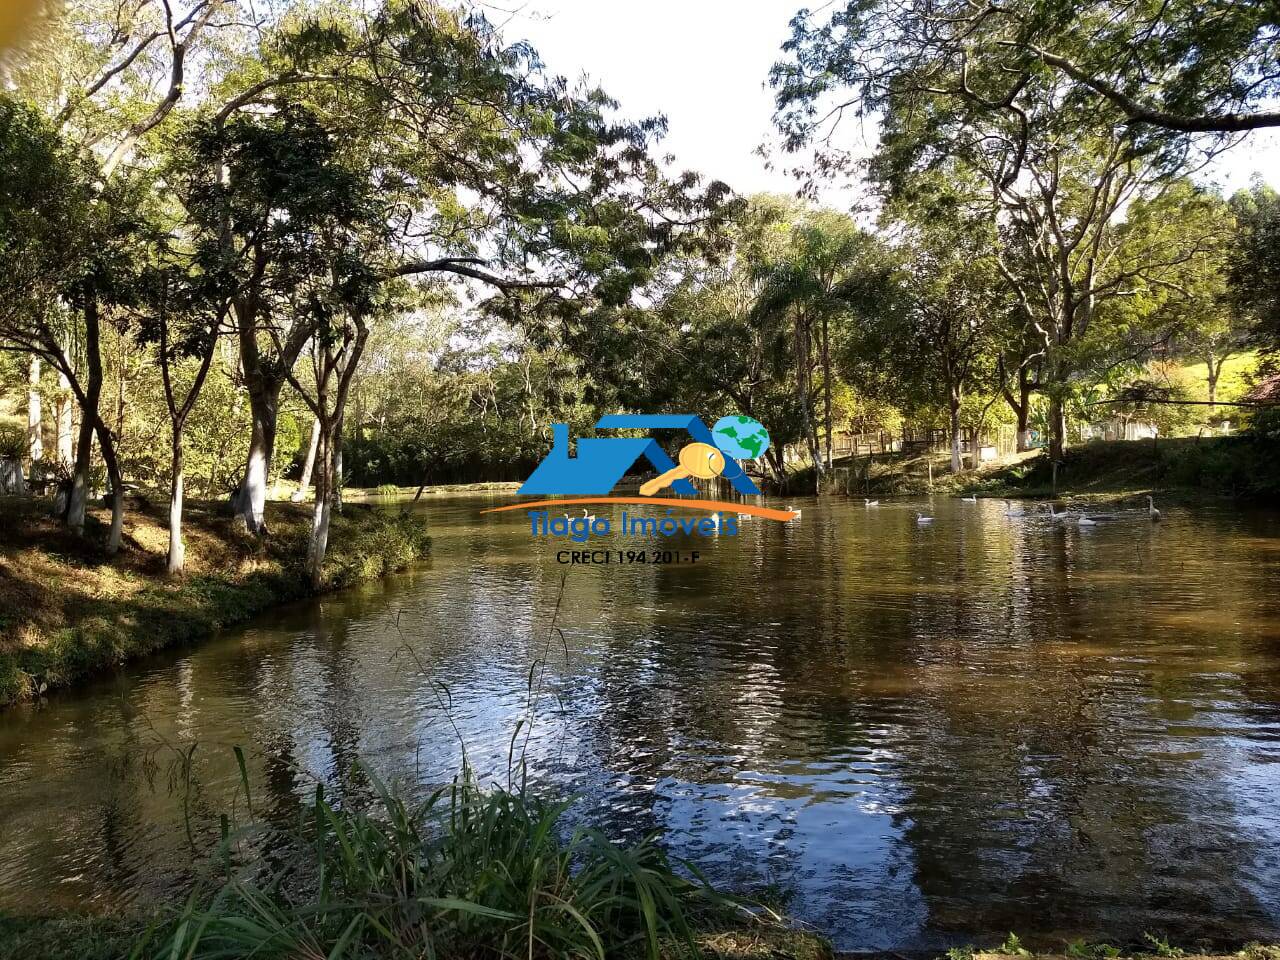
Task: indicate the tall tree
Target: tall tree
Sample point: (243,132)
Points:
(487,171)
(1059,168)
(823,272)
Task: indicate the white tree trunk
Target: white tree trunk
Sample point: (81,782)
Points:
(79,498)
(177,552)
(35,438)
(62,412)
(250,502)
(957,464)
(309,464)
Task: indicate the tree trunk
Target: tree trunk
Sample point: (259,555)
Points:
(1024,426)
(319,543)
(1057,428)
(975,449)
(106,443)
(250,502)
(826,386)
(309,464)
(1214,368)
(79,498)
(177,550)
(35,437)
(62,421)
(957,464)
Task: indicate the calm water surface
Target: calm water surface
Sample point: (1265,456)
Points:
(923,736)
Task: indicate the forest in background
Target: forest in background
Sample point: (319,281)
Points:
(393,246)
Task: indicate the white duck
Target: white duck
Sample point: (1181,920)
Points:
(872,503)
(1152,512)
(922,520)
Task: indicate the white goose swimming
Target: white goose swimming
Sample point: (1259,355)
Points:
(922,520)
(872,503)
(589,517)
(970,499)
(1055,515)
(795,510)
(1086,521)
(1012,511)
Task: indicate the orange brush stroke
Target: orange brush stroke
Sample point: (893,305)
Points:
(711,506)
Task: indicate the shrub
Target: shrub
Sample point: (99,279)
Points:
(13,442)
(467,873)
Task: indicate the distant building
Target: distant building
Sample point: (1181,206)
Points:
(1119,428)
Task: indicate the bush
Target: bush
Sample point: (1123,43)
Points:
(467,873)
(13,442)
(374,543)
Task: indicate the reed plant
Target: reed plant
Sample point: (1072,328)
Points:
(466,873)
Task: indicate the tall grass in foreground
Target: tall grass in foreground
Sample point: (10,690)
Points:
(467,873)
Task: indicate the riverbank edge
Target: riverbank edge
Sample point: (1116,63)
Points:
(69,613)
(1240,467)
(74,936)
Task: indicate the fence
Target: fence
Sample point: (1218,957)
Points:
(999,441)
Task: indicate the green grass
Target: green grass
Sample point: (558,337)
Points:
(465,873)
(1239,466)
(69,612)
(1233,382)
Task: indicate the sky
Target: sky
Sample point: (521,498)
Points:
(705,64)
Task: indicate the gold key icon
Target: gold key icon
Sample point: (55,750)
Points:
(700,460)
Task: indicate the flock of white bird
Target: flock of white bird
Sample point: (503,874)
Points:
(1016,510)
(1011,510)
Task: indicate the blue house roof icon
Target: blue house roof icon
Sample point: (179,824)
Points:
(603,461)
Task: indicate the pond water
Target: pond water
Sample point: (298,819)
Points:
(921,736)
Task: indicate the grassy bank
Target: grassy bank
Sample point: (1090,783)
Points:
(1241,466)
(68,611)
(469,872)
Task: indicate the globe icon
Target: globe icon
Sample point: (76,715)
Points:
(741,437)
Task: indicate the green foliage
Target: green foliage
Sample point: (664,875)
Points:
(1092,951)
(129,614)
(1255,261)
(467,872)
(70,937)
(13,441)
(1012,946)
(1160,946)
